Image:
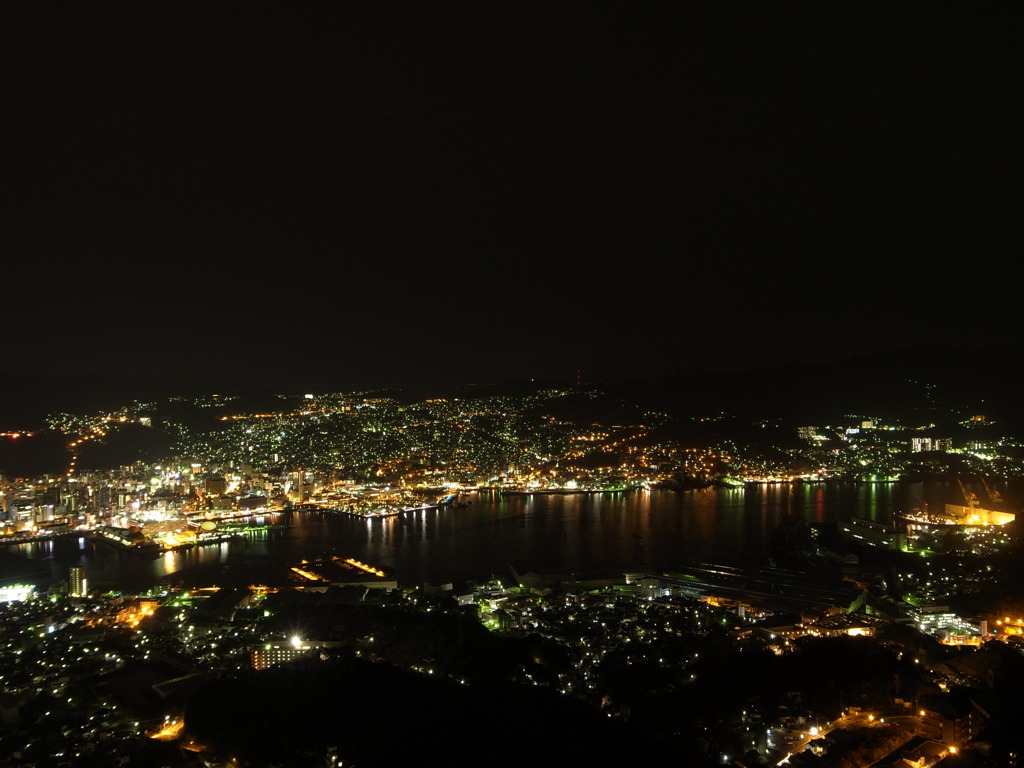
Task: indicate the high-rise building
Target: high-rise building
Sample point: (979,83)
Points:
(919,444)
(79,586)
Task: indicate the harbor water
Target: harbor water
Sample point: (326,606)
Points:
(578,532)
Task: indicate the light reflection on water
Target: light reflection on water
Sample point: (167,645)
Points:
(613,531)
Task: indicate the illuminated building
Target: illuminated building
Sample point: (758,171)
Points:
(79,584)
(270,655)
(951,719)
(21,511)
(16,592)
(851,624)
(919,444)
(264,659)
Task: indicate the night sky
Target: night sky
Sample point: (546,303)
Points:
(385,193)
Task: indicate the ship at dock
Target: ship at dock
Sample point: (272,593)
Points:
(982,507)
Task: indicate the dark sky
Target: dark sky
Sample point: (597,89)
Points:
(387,192)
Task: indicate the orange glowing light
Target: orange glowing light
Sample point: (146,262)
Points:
(363,566)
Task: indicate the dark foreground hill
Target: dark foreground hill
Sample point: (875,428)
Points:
(377,716)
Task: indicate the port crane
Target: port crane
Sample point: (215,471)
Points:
(969,496)
(993,494)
